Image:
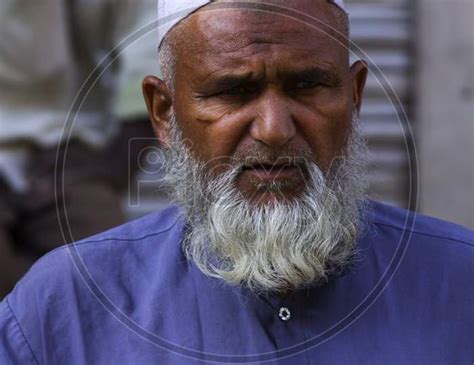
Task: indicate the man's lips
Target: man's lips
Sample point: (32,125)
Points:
(274,181)
(265,172)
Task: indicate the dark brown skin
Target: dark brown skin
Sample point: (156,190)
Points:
(262,85)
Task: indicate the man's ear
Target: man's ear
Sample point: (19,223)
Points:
(359,75)
(159,104)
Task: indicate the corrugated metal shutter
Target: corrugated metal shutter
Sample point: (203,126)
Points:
(382,30)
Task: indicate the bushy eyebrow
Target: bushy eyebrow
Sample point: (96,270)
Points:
(313,73)
(229,81)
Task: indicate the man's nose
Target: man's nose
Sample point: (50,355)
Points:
(273,124)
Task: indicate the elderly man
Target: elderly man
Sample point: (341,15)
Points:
(271,254)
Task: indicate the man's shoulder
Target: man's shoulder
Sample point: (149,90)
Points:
(420,231)
(118,264)
(148,226)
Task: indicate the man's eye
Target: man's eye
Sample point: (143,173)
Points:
(306,84)
(235,91)
(238,91)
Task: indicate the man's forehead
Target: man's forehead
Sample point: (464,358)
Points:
(238,29)
(315,12)
(260,47)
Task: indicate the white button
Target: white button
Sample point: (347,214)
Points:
(284,314)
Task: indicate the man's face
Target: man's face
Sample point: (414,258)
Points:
(252,91)
(264,89)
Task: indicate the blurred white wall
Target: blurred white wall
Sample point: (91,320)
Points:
(445,109)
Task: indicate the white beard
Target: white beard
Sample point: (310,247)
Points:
(274,247)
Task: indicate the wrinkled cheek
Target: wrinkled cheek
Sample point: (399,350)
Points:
(329,142)
(214,137)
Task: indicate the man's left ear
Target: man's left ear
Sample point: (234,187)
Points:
(359,75)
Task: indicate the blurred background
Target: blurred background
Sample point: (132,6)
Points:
(71,110)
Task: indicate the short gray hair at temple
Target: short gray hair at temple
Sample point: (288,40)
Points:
(167,50)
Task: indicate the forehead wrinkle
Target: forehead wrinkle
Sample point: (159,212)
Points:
(249,35)
(205,24)
(252,53)
(323,13)
(231,40)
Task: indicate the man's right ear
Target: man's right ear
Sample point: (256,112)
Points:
(159,104)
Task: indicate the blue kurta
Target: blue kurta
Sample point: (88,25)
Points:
(129,296)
